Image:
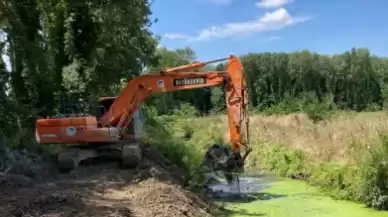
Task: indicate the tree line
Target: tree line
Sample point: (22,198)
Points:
(354,80)
(64,54)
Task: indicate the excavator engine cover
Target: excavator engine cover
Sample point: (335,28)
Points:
(223,159)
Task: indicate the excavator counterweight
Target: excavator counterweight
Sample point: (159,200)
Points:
(115,125)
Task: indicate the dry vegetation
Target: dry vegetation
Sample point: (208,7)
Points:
(337,139)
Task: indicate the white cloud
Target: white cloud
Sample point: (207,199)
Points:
(272,38)
(221,2)
(272,3)
(175,36)
(270,21)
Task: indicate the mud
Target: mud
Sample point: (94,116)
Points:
(246,189)
(102,189)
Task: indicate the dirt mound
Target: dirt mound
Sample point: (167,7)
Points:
(154,189)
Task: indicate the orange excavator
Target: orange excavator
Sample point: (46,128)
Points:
(88,136)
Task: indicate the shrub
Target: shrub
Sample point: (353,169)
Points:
(307,103)
(187,110)
(282,160)
(374,171)
(160,134)
(317,112)
(340,181)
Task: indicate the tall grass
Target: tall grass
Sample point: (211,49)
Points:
(346,154)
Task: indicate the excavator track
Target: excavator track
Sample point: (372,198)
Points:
(128,154)
(131,155)
(67,159)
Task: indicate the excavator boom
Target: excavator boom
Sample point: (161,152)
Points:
(189,67)
(139,88)
(111,126)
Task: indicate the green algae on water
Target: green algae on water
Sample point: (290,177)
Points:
(298,200)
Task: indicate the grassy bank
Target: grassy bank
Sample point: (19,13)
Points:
(346,155)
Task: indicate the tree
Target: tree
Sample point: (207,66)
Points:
(68,46)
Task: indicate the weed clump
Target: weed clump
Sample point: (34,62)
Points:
(374,171)
(169,135)
(307,103)
(282,160)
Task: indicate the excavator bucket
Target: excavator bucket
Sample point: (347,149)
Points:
(222,159)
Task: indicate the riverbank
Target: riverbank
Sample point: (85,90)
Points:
(103,189)
(344,156)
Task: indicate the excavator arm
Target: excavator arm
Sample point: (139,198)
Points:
(138,89)
(179,78)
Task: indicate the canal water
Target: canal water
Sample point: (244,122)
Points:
(270,196)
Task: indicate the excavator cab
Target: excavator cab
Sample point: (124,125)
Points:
(104,104)
(136,127)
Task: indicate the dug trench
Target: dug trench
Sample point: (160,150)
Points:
(155,188)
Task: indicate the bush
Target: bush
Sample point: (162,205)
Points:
(187,110)
(307,103)
(340,181)
(160,134)
(282,160)
(317,112)
(286,106)
(374,171)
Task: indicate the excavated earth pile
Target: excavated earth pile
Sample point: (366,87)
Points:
(102,189)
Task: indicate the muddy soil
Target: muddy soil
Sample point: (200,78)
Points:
(102,189)
(247,189)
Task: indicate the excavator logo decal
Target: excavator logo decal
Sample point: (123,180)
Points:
(189,81)
(160,84)
(70,131)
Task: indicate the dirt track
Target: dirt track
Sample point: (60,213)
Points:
(103,190)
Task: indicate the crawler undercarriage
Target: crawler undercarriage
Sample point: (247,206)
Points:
(128,154)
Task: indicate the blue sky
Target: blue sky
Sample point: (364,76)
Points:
(218,28)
